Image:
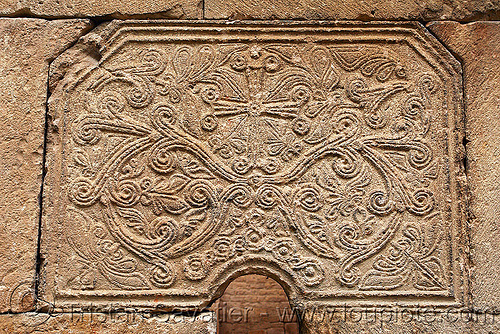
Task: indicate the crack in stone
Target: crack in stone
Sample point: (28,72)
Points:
(47,119)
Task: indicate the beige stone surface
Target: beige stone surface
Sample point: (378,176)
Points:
(478,45)
(179,9)
(353,9)
(26,48)
(185,155)
(398,320)
(108,323)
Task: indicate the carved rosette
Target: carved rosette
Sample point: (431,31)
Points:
(324,160)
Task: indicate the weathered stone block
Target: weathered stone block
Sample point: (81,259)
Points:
(478,46)
(27,47)
(400,321)
(103,323)
(353,10)
(179,9)
(324,156)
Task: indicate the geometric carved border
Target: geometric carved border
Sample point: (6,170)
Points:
(325,156)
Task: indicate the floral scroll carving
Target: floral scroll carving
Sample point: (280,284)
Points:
(319,159)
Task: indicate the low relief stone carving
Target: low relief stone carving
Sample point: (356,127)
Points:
(325,157)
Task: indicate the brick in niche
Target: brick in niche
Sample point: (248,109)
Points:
(324,156)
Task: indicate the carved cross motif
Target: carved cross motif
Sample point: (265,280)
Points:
(324,163)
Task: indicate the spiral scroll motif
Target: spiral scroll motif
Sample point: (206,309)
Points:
(305,157)
(163,276)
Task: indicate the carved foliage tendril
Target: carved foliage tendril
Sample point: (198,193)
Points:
(217,152)
(413,257)
(99,254)
(261,229)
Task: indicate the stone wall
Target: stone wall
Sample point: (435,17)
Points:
(154,152)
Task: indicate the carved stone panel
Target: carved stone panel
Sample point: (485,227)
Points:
(187,154)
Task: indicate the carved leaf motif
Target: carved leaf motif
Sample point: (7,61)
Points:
(123,275)
(255,117)
(371,61)
(319,132)
(204,59)
(194,169)
(81,158)
(411,256)
(172,186)
(276,146)
(182,63)
(85,278)
(321,61)
(228,85)
(170,204)
(317,227)
(174,205)
(163,196)
(375,281)
(290,52)
(135,219)
(399,159)
(103,256)
(196,215)
(426,279)
(286,83)
(156,206)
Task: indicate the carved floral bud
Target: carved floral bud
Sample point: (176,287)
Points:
(272,64)
(238,62)
(309,199)
(222,248)
(300,126)
(284,249)
(209,123)
(210,94)
(195,267)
